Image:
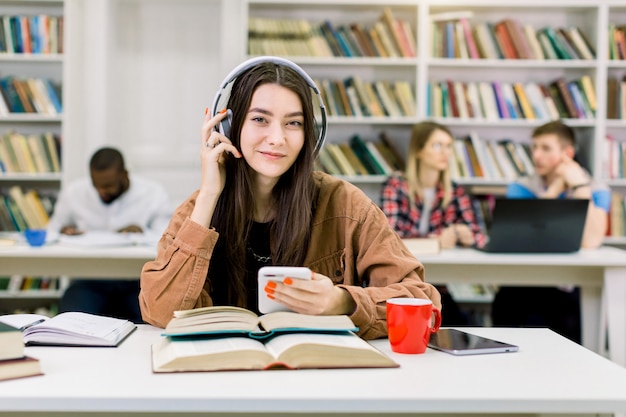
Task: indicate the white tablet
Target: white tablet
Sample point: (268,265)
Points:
(457,342)
(278,273)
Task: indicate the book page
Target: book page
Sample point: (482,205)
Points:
(79,328)
(315,350)
(291,320)
(22,321)
(208,319)
(209,354)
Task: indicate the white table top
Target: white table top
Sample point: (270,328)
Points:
(604,256)
(549,374)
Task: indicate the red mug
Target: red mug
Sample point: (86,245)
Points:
(410,324)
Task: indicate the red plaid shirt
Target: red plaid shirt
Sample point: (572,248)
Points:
(405,219)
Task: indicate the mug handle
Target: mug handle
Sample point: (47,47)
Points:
(437,324)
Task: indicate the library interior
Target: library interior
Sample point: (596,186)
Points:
(435,109)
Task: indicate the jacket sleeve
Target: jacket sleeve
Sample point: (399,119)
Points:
(175,279)
(388,269)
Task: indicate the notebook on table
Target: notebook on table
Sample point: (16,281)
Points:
(536,225)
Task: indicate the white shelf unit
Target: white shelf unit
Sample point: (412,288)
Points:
(34,65)
(141,73)
(37,66)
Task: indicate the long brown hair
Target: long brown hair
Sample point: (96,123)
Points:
(293,195)
(420,134)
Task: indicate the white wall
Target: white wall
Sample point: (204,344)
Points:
(139,74)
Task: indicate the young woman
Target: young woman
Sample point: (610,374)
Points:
(424,202)
(260,203)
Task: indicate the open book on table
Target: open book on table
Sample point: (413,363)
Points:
(231,338)
(227,320)
(70,329)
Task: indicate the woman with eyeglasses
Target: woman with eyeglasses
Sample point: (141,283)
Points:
(424,202)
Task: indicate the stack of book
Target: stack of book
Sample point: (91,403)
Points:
(387,37)
(21,210)
(559,99)
(453,36)
(360,157)
(34,34)
(503,159)
(30,95)
(357,98)
(231,338)
(33,153)
(13,362)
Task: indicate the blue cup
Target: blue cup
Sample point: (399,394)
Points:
(35,237)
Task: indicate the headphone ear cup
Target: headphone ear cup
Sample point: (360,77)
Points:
(225,124)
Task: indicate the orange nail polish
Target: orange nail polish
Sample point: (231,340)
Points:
(270,296)
(223,111)
(269,290)
(288,281)
(271,284)
(206,110)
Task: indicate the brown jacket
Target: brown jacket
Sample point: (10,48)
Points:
(351,243)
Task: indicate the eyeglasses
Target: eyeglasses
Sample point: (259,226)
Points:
(441,147)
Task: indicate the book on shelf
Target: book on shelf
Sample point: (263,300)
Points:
(340,159)
(423,245)
(224,338)
(70,329)
(363,39)
(327,161)
(19,368)
(11,343)
(386,40)
(353,159)
(364,154)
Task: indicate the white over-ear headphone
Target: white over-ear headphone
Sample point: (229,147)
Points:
(244,66)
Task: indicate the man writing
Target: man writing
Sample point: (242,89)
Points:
(110,200)
(557,175)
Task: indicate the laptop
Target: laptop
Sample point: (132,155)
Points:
(536,225)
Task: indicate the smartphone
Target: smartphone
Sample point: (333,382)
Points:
(278,273)
(457,342)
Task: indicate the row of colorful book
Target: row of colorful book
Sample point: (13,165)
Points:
(454,36)
(33,34)
(504,159)
(616,161)
(387,37)
(30,95)
(21,210)
(357,156)
(355,97)
(560,98)
(617,41)
(32,153)
(18,283)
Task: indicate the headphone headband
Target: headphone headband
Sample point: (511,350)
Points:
(246,65)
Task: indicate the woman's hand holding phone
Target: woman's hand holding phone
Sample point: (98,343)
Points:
(291,290)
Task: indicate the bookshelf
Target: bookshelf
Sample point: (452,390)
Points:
(144,89)
(40,59)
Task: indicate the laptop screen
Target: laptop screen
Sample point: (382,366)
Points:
(537,225)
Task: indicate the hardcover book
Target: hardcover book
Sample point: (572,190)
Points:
(11,343)
(19,368)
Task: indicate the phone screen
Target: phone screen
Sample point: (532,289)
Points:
(458,342)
